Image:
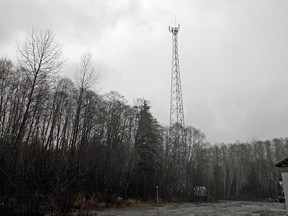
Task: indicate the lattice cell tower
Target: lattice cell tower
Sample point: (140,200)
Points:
(176,101)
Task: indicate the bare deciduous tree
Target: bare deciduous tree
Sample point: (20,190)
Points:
(40,56)
(85,78)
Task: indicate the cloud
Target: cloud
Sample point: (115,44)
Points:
(83,21)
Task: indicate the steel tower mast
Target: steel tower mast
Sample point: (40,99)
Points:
(176,101)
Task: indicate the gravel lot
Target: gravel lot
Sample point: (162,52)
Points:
(222,208)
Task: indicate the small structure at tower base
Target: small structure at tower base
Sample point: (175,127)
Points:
(283,165)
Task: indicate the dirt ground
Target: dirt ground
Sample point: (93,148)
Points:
(222,208)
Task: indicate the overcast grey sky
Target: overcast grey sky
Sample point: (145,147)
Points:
(233,55)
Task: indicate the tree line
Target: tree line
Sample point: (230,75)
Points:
(59,139)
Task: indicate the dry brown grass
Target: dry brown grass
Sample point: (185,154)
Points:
(94,202)
(131,203)
(86,202)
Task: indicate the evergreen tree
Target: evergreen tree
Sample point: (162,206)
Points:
(147,146)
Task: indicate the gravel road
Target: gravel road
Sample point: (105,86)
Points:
(222,208)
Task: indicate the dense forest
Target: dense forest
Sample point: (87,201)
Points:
(59,140)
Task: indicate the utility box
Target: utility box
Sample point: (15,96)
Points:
(283,165)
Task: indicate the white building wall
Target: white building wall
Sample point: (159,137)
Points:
(285,187)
